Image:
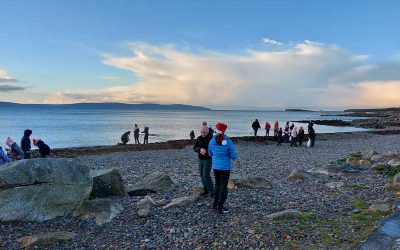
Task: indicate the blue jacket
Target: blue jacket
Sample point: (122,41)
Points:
(3,157)
(222,154)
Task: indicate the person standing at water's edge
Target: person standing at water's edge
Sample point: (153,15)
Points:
(255,126)
(311,134)
(276,127)
(26,143)
(136,132)
(146,135)
(267,128)
(192,136)
(222,151)
(201,147)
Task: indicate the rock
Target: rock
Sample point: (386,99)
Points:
(364,163)
(299,174)
(249,182)
(286,214)
(334,170)
(396,182)
(379,167)
(394,163)
(107,183)
(356,211)
(391,154)
(101,210)
(353,161)
(181,201)
(376,158)
(154,182)
(145,207)
(380,208)
(41,189)
(31,242)
(335,184)
(370,154)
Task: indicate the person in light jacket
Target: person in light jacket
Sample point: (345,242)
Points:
(221,151)
(293,137)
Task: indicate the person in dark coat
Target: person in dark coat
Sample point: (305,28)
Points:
(201,147)
(311,134)
(44,149)
(14,152)
(210,130)
(26,143)
(255,126)
(146,135)
(136,132)
(125,137)
(300,136)
(192,136)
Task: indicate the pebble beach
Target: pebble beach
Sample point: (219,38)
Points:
(327,220)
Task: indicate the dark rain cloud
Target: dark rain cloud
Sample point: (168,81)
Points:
(11,80)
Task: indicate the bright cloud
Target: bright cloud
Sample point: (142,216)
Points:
(7,83)
(306,74)
(5,77)
(271,41)
(112,78)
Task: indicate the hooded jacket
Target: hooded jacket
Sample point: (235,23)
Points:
(25,141)
(222,154)
(44,149)
(202,142)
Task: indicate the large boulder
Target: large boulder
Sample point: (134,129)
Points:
(101,210)
(299,174)
(107,183)
(43,188)
(249,182)
(154,182)
(181,201)
(44,240)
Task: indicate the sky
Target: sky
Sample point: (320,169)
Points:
(218,54)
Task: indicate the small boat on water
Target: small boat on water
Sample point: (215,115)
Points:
(331,113)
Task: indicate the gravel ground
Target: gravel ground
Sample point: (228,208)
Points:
(197,226)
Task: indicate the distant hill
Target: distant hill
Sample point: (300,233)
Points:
(110,105)
(298,110)
(374,110)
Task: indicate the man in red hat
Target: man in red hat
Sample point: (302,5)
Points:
(222,151)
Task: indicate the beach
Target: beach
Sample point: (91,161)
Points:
(327,214)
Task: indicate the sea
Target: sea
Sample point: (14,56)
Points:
(69,127)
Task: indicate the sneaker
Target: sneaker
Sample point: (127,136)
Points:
(223,210)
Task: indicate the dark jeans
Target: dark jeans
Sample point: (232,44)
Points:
(293,142)
(279,141)
(137,139)
(312,142)
(205,170)
(255,132)
(221,187)
(267,132)
(146,139)
(300,141)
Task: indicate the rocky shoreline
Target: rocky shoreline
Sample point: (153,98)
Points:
(320,210)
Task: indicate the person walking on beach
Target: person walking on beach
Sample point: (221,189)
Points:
(279,137)
(192,136)
(293,137)
(146,135)
(44,149)
(125,137)
(26,143)
(267,128)
(136,132)
(3,157)
(14,152)
(221,151)
(311,134)
(276,127)
(255,126)
(201,147)
(300,136)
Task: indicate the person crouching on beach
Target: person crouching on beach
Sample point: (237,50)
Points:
(222,151)
(14,151)
(125,137)
(3,157)
(201,147)
(44,149)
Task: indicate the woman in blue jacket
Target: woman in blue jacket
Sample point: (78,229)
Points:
(221,151)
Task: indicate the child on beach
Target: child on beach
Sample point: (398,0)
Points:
(44,149)
(136,132)
(146,135)
(221,151)
(26,143)
(14,152)
(3,157)
(201,147)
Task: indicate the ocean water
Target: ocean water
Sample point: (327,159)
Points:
(92,127)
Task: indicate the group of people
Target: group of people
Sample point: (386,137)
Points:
(288,134)
(136,133)
(16,152)
(215,153)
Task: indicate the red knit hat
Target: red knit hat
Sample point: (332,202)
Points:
(34,141)
(220,128)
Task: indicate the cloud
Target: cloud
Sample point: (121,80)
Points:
(271,41)
(304,74)
(11,88)
(5,77)
(112,78)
